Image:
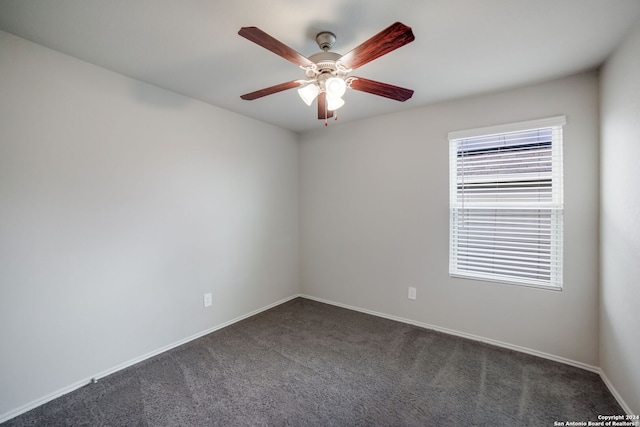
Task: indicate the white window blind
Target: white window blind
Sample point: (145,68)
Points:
(506,202)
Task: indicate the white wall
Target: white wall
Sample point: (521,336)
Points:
(374,214)
(620,221)
(121,204)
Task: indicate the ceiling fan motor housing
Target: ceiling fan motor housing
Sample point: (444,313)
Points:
(325,67)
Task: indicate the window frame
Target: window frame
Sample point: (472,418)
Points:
(458,210)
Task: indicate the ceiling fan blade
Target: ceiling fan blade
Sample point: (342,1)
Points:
(382,89)
(271,90)
(387,40)
(263,39)
(323,113)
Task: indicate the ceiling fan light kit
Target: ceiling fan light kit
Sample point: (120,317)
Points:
(327,72)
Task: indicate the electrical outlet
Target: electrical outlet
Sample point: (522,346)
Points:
(208,300)
(412,292)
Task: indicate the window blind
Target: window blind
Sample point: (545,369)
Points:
(506,203)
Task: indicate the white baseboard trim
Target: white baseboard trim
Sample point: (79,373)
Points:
(41,401)
(615,393)
(463,335)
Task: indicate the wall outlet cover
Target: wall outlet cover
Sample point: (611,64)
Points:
(208,300)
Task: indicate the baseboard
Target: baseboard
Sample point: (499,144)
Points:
(41,401)
(463,335)
(615,393)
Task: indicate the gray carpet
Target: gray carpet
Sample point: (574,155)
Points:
(304,363)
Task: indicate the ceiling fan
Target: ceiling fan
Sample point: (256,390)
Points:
(328,72)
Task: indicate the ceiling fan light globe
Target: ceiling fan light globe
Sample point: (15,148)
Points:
(335,87)
(334,102)
(308,93)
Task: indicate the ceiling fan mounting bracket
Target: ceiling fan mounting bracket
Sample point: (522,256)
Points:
(325,40)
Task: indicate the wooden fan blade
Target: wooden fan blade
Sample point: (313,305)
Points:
(323,113)
(387,40)
(271,90)
(382,89)
(263,39)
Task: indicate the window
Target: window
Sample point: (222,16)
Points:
(506,202)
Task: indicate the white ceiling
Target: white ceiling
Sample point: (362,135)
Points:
(462,47)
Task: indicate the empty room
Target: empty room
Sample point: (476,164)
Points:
(278,212)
